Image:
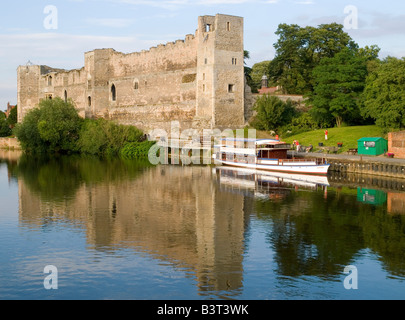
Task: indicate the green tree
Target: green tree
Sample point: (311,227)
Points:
(105,137)
(338,83)
(53,127)
(383,98)
(272,113)
(5,130)
(299,50)
(12,117)
(258,71)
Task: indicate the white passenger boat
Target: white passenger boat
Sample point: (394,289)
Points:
(267,155)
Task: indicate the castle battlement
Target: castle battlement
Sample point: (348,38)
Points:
(198,77)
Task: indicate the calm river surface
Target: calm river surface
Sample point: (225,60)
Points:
(126,230)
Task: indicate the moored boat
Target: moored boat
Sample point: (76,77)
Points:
(267,155)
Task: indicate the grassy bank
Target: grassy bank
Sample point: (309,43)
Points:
(346,135)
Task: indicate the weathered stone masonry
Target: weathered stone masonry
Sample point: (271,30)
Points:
(198,81)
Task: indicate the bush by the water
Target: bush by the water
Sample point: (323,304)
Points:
(106,137)
(55,127)
(136,150)
(52,128)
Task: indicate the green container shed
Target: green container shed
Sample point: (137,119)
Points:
(372,146)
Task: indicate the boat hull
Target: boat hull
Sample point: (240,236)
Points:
(299,167)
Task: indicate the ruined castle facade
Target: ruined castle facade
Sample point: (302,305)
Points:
(198,81)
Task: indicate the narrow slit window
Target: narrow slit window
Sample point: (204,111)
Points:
(136,85)
(228,26)
(113,93)
(89,101)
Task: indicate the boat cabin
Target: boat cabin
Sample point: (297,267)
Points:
(272,150)
(251,150)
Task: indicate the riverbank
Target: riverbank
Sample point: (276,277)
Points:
(360,164)
(9,144)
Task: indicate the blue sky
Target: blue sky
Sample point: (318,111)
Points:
(133,25)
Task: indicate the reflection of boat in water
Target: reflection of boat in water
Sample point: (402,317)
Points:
(269,155)
(268,184)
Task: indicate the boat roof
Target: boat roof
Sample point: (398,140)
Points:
(258,142)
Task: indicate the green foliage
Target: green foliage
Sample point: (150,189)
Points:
(258,70)
(346,135)
(28,134)
(55,127)
(5,130)
(384,94)
(106,137)
(299,50)
(136,150)
(272,113)
(12,117)
(303,122)
(93,139)
(52,128)
(338,83)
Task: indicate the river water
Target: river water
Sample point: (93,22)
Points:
(114,229)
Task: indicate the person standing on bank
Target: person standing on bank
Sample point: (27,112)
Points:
(326,135)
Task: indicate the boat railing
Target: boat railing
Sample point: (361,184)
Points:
(317,161)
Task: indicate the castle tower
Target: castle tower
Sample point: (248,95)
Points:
(27,88)
(220,71)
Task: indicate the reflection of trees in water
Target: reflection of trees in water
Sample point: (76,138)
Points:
(58,178)
(311,234)
(314,235)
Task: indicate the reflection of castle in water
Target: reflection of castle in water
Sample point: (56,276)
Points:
(171,212)
(198,218)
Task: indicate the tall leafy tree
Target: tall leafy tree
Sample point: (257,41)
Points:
(258,71)
(299,50)
(51,128)
(272,113)
(384,94)
(338,83)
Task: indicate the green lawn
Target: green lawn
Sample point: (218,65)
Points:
(346,135)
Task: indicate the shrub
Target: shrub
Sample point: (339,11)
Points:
(103,137)
(136,150)
(272,113)
(53,127)
(5,130)
(93,139)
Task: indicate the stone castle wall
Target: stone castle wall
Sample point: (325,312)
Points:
(198,81)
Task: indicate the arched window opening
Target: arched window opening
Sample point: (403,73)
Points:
(136,85)
(113,93)
(66,96)
(50,81)
(89,101)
